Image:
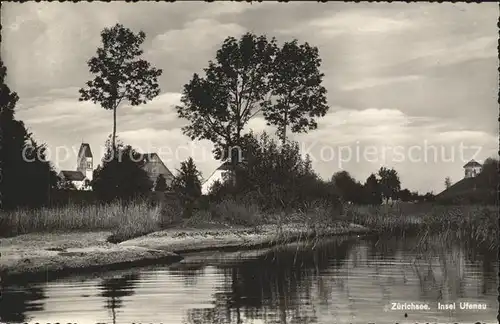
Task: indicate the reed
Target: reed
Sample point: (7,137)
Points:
(475,224)
(124,220)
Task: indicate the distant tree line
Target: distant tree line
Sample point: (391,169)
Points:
(278,175)
(250,76)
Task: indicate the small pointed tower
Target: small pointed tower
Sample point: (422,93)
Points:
(85,161)
(472,169)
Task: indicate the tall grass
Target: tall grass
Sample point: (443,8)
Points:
(476,224)
(123,220)
(230,211)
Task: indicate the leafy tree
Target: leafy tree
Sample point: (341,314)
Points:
(122,176)
(160,183)
(447,182)
(350,190)
(490,176)
(244,81)
(219,105)
(187,181)
(405,195)
(295,84)
(389,183)
(372,190)
(275,176)
(187,185)
(119,72)
(22,159)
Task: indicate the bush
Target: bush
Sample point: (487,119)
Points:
(274,176)
(121,175)
(237,213)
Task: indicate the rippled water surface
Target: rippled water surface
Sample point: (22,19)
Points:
(339,281)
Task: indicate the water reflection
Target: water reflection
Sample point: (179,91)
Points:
(340,279)
(114,289)
(273,286)
(190,273)
(346,280)
(19,299)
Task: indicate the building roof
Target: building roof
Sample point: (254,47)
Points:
(225,166)
(72,175)
(154,166)
(85,150)
(472,163)
(151,157)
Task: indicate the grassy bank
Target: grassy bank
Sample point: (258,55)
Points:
(478,224)
(76,239)
(92,237)
(472,223)
(129,220)
(46,256)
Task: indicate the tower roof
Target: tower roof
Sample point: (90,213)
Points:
(85,150)
(472,163)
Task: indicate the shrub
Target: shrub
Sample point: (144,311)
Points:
(274,176)
(237,213)
(121,175)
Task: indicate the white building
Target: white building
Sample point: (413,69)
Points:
(472,169)
(154,167)
(220,174)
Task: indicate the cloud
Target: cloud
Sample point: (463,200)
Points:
(198,35)
(397,75)
(190,47)
(373,82)
(214,10)
(356,23)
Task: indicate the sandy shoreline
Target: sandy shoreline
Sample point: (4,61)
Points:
(48,256)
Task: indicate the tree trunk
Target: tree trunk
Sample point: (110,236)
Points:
(285,121)
(114,131)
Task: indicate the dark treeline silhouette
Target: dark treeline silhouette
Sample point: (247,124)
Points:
(120,176)
(378,187)
(26,177)
(277,175)
(274,175)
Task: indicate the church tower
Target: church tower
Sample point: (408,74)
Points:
(85,162)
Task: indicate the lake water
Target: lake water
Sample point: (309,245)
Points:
(343,280)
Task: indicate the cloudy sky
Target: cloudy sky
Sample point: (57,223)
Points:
(410,86)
